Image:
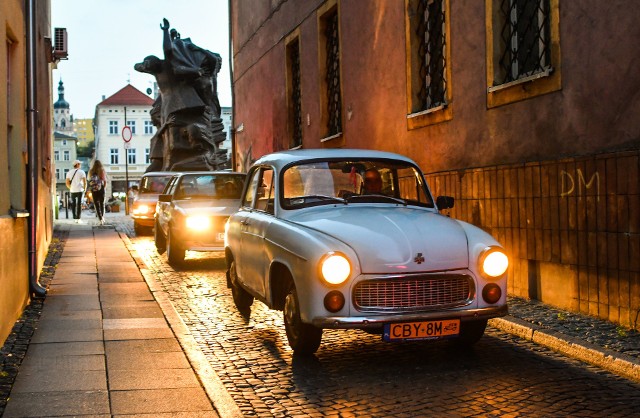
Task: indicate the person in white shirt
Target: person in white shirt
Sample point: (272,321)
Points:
(77,184)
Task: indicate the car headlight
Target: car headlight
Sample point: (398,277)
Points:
(335,268)
(198,222)
(493,262)
(141,209)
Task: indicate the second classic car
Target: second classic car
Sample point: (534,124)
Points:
(353,239)
(192,212)
(144,205)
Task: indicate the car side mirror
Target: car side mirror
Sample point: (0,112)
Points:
(444,202)
(164,198)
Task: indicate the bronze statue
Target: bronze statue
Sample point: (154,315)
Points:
(187,112)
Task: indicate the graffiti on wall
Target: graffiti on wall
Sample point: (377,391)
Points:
(577,180)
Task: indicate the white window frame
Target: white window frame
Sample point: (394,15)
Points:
(113,127)
(132,125)
(131,156)
(148,127)
(114,155)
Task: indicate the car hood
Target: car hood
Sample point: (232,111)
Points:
(213,207)
(146,198)
(393,240)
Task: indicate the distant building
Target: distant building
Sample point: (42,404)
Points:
(62,118)
(64,154)
(132,105)
(226,115)
(83,129)
(65,142)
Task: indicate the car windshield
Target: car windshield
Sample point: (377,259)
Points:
(154,184)
(354,181)
(210,186)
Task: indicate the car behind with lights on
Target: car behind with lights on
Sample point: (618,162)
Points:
(143,207)
(339,238)
(191,213)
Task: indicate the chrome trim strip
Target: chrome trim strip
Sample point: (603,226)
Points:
(361,322)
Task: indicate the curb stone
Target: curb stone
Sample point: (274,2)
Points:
(610,360)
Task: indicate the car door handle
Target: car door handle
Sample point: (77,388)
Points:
(244,222)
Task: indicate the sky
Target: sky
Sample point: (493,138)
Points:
(107,37)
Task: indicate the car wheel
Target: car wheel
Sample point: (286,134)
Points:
(303,338)
(471,332)
(159,239)
(241,298)
(175,253)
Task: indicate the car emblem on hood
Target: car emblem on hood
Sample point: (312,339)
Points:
(419,258)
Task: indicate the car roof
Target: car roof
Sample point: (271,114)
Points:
(218,173)
(159,173)
(283,158)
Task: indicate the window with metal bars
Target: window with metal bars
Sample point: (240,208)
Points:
(294,93)
(332,79)
(523,38)
(430,31)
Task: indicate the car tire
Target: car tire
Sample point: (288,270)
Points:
(471,332)
(241,298)
(159,239)
(175,253)
(303,338)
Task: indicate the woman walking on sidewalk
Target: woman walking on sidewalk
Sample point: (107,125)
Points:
(97,184)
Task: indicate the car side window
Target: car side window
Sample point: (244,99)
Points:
(266,192)
(170,186)
(247,199)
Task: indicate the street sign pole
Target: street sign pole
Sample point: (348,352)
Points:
(126,136)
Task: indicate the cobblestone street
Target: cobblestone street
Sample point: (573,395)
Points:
(356,374)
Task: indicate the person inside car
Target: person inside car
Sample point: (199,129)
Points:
(372,182)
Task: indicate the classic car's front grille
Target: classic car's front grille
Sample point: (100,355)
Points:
(413,293)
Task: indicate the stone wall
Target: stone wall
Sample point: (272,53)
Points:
(571,227)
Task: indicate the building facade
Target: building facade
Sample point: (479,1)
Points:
(83,130)
(226,114)
(64,154)
(120,159)
(64,143)
(26,178)
(524,111)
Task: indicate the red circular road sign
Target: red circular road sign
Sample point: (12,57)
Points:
(126,134)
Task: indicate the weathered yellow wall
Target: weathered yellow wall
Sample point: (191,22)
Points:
(14,241)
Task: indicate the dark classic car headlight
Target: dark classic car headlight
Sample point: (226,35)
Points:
(335,268)
(493,262)
(141,209)
(197,222)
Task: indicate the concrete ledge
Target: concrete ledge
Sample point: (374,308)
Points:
(610,360)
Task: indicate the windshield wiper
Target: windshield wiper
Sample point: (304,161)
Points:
(376,197)
(325,197)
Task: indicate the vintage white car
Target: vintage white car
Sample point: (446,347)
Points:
(339,238)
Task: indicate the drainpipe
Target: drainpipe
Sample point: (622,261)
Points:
(34,287)
(232,134)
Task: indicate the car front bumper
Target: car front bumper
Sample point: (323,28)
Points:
(144,220)
(378,321)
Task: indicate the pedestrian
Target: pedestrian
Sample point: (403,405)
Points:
(97,184)
(77,183)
